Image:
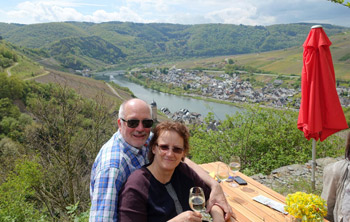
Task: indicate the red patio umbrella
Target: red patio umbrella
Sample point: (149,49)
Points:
(320,113)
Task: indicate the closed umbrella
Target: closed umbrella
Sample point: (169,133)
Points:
(320,113)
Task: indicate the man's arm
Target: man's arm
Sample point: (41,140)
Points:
(217,213)
(217,194)
(104,197)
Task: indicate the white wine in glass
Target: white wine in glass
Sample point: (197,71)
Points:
(197,202)
(222,172)
(235,166)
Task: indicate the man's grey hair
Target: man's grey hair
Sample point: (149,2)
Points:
(121,109)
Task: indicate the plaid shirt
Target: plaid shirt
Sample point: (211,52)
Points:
(113,165)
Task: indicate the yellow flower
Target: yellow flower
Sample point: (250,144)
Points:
(308,207)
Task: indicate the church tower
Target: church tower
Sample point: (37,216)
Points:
(154,111)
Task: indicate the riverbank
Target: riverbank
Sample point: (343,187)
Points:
(173,92)
(180,92)
(177,102)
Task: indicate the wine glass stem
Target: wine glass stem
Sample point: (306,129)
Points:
(205,215)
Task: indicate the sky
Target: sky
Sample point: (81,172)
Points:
(246,12)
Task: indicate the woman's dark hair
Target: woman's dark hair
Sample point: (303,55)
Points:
(347,148)
(177,127)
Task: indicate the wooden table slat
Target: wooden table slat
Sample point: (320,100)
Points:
(240,199)
(244,207)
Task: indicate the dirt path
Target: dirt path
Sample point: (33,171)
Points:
(114,92)
(8,70)
(45,73)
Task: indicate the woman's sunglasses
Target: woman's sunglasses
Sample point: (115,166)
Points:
(133,123)
(175,149)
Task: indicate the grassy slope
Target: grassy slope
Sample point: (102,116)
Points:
(90,88)
(47,32)
(287,61)
(290,61)
(27,69)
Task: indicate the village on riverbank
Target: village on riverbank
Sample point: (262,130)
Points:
(229,88)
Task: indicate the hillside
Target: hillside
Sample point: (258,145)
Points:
(287,61)
(7,56)
(39,35)
(15,63)
(85,52)
(144,43)
(87,87)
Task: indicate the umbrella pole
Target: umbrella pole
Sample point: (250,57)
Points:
(313,162)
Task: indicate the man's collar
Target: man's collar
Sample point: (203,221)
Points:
(127,147)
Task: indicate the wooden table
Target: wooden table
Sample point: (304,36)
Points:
(244,207)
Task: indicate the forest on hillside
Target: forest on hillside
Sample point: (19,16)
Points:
(79,45)
(49,138)
(7,57)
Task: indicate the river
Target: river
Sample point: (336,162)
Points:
(175,103)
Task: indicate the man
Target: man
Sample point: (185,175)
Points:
(125,152)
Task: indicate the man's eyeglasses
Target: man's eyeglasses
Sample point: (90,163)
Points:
(133,123)
(175,149)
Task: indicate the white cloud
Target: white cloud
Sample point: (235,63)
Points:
(124,14)
(43,11)
(33,12)
(213,11)
(145,6)
(247,16)
(247,12)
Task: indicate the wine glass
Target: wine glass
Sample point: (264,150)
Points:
(197,202)
(222,172)
(235,165)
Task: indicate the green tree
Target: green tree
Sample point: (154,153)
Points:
(9,126)
(14,127)
(342,2)
(67,136)
(10,151)
(265,139)
(11,87)
(229,69)
(17,194)
(7,109)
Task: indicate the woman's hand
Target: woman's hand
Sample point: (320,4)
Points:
(187,216)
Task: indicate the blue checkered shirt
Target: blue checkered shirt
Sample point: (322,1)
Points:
(113,165)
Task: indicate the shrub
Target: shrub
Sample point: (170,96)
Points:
(17,193)
(265,139)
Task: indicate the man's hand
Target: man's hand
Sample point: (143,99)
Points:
(217,197)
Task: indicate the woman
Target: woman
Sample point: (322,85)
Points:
(160,191)
(336,188)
